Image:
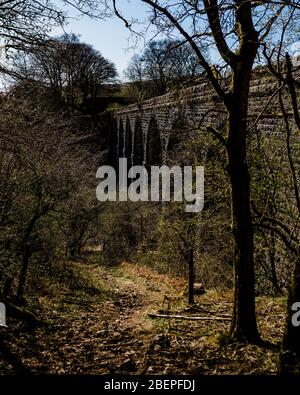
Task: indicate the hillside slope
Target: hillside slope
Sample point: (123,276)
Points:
(104,328)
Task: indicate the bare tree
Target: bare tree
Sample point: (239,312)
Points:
(163,65)
(285,224)
(80,221)
(23,24)
(74,71)
(40,171)
(137,86)
(236,29)
(28,23)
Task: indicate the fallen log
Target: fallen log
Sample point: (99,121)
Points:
(184,317)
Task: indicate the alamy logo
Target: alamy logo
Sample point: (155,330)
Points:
(2,314)
(296,316)
(136,184)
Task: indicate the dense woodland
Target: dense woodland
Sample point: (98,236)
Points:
(145,288)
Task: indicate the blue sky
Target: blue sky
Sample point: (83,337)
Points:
(110,37)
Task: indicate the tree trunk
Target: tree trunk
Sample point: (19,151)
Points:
(272,256)
(290,356)
(23,274)
(191,277)
(26,249)
(243,325)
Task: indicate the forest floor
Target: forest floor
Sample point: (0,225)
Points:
(97,323)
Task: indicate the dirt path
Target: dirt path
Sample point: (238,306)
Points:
(97,337)
(101,326)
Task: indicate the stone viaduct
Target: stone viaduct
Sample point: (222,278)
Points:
(142,132)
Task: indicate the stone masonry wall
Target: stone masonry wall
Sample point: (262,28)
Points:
(137,126)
